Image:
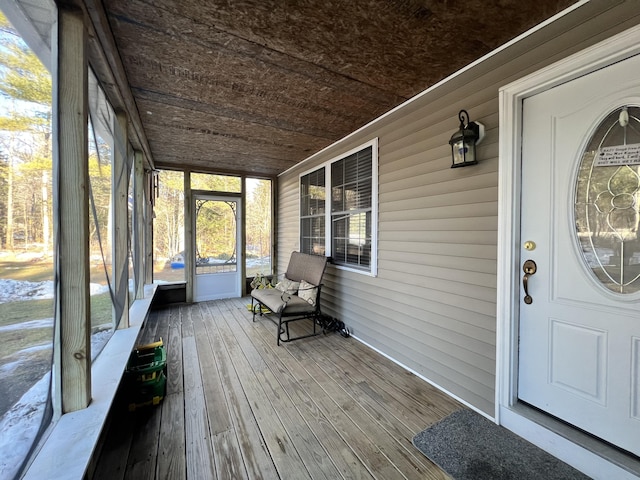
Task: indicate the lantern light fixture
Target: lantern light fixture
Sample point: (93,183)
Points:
(463,142)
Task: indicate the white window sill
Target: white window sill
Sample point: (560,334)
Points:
(347,268)
(69,446)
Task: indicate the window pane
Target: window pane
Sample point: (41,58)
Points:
(101,146)
(317,199)
(339,253)
(337,198)
(26,245)
(305,244)
(258,227)
(130,212)
(312,211)
(216,183)
(100,241)
(351,196)
(312,193)
(168,228)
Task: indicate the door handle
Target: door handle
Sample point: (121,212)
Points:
(530,268)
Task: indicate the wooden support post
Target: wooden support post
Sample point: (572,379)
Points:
(71,196)
(274,225)
(189,251)
(138,224)
(120,222)
(149,195)
(242,248)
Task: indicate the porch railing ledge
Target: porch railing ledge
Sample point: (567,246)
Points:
(70,444)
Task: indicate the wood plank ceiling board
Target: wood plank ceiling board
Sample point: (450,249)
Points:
(256,86)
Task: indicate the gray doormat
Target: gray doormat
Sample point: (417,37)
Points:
(468,446)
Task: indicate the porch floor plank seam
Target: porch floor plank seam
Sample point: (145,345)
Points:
(238,406)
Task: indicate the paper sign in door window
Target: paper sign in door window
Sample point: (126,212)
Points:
(618,155)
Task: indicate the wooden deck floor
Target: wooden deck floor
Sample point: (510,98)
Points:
(238,406)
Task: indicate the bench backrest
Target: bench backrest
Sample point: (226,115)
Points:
(303,266)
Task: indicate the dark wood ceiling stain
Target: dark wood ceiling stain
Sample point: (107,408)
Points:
(255,86)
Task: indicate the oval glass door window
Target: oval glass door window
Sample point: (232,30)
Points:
(607,202)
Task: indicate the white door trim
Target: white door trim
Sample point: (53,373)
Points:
(511,96)
(237,282)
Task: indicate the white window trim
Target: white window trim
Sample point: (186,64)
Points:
(373,271)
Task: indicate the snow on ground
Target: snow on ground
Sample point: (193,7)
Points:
(20,424)
(10,290)
(16,290)
(44,323)
(22,355)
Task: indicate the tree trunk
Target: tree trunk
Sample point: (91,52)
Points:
(45,212)
(9,231)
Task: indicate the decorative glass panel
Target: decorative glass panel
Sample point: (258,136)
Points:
(215,236)
(607,202)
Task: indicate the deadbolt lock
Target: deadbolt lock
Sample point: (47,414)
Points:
(530,245)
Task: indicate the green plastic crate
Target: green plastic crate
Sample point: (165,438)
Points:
(146,375)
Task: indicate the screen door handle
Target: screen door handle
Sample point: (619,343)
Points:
(529,268)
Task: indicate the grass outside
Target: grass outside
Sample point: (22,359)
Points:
(27,354)
(162,270)
(23,311)
(30,271)
(38,269)
(27,347)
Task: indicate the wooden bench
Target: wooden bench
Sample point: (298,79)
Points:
(295,297)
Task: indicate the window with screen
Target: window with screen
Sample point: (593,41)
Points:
(338,209)
(351,208)
(312,212)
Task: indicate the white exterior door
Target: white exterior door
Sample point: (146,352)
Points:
(217,241)
(579,336)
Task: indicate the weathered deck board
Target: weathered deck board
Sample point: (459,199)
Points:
(258,462)
(393,387)
(281,446)
(238,406)
(311,451)
(200,462)
(171,441)
(226,451)
(283,363)
(411,468)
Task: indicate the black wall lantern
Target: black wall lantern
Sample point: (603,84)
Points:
(463,142)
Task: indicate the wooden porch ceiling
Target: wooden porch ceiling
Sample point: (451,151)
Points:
(256,86)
